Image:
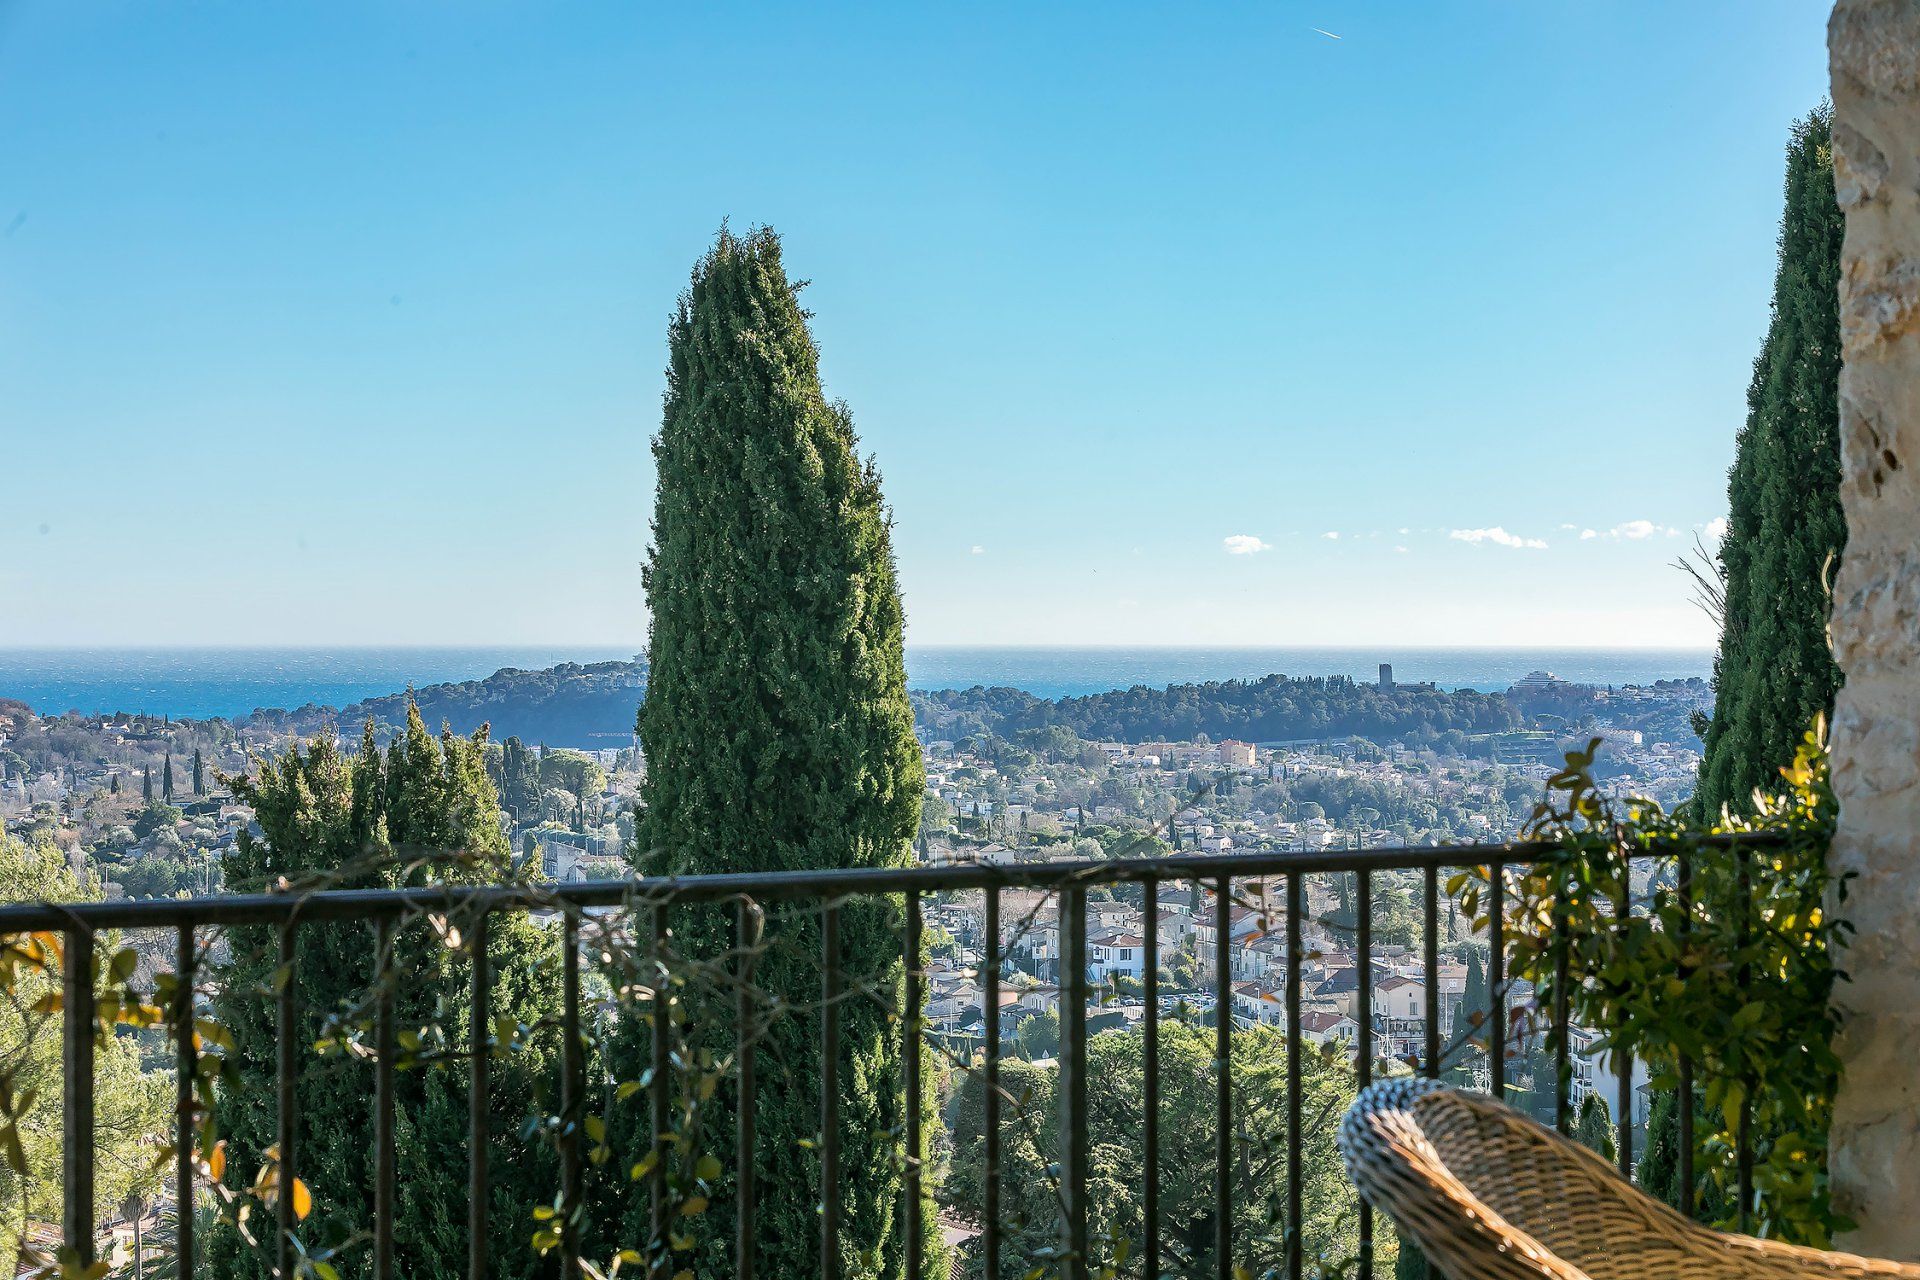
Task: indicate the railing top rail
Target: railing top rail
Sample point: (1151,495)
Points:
(337,904)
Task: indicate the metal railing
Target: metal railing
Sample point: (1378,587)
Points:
(1068,882)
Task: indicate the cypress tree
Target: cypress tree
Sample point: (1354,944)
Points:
(146,783)
(1785,529)
(199,774)
(424,813)
(776,726)
(166,779)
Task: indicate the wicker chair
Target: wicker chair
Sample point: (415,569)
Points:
(1491,1195)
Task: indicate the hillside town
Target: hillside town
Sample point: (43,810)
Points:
(142,805)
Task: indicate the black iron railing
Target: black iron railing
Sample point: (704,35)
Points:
(1068,882)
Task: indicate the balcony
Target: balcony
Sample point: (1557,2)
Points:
(1246,1192)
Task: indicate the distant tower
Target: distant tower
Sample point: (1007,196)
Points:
(1386,675)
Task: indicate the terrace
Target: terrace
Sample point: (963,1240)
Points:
(627,942)
(685,1000)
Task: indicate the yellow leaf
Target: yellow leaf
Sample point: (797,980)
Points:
(708,1168)
(302,1199)
(217,1162)
(694,1207)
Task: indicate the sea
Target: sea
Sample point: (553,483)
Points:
(201,683)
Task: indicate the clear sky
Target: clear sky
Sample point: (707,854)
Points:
(1168,323)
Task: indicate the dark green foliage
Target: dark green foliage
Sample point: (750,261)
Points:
(572,771)
(1039,1036)
(776,726)
(166,784)
(1116,1063)
(199,774)
(1785,528)
(1269,709)
(424,812)
(154,817)
(1658,1172)
(1593,1127)
(584,703)
(518,778)
(146,783)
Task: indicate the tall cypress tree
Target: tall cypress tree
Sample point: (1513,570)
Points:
(199,774)
(776,726)
(1785,529)
(422,813)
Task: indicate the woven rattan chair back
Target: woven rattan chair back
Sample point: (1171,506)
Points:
(1489,1194)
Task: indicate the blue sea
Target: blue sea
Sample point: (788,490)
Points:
(201,683)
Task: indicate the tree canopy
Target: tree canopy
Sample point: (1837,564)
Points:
(1785,529)
(776,726)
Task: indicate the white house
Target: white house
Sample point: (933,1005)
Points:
(1117,953)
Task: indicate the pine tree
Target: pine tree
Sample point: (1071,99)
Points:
(423,813)
(776,725)
(1785,528)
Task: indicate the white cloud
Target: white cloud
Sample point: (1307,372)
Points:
(1632,531)
(1244,544)
(978,550)
(1331,535)
(1498,536)
(1716,529)
(1401,550)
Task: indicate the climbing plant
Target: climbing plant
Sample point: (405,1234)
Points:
(1716,941)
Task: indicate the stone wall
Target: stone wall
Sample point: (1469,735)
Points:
(1874,54)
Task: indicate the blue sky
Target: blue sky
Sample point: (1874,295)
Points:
(346,323)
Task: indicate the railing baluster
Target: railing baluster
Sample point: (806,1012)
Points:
(913,1046)
(185,1062)
(830,1192)
(572,1096)
(1223,1079)
(743,1133)
(657,1096)
(1073,1083)
(1150,1103)
(1497,979)
(385,1179)
(991,1019)
(1684,1089)
(477,1034)
(1363,1031)
(287,1117)
(1743,1137)
(1296,1243)
(1430,956)
(1623,1062)
(76,1093)
(1562,1017)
